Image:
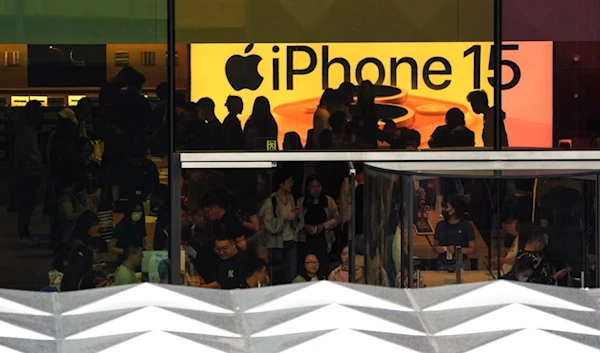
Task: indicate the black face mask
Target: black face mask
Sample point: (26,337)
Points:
(446,215)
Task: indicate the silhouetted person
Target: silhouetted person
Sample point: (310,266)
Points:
(338,122)
(232,127)
(58,149)
(28,168)
(84,114)
(292,142)
(206,114)
(321,117)
(353,139)
(346,93)
(411,140)
(454,133)
(480,105)
(325,140)
(365,113)
(132,109)
(262,124)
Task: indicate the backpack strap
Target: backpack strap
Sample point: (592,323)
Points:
(274,205)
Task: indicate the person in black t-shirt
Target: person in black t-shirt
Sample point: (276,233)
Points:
(454,133)
(216,207)
(136,177)
(231,266)
(256,273)
(518,206)
(453,231)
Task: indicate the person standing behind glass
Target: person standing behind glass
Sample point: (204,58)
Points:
(453,231)
(280,221)
(320,215)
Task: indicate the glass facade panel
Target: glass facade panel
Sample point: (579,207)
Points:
(479,226)
(551,73)
(383,75)
(83,143)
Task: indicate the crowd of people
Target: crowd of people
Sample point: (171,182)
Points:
(241,228)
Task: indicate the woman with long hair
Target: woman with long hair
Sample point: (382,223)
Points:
(310,271)
(262,124)
(130,231)
(321,215)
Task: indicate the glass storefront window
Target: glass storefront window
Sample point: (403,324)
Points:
(292,220)
(551,74)
(83,126)
(329,75)
(474,226)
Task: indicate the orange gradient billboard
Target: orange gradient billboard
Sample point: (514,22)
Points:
(425,79)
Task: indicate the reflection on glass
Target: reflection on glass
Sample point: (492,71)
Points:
(470,229)
(558,67)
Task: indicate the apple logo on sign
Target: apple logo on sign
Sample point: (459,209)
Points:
(242,71)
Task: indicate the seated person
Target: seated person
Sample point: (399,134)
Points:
(231,266)
(256,270)
(511,226)
(310,271)
(521,271)
(136,177)
(130,231)
(125,273)
(411,140)
(340,273)
(534,251)
(453,231)
(79,271)
(454,133)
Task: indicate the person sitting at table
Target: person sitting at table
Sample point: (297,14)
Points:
(130,231)
(536,249)
(72,202)
(231,266)
(340,273)
(136,177)
(86,228)
(125,274)
(521,271)
(79,271)
(453,231)
(256,270)
(310,271)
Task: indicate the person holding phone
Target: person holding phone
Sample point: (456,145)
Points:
(280,222)
(543,271)
(452,232)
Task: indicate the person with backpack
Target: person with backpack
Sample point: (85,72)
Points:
(280,222)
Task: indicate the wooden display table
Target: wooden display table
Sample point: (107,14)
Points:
(442,278)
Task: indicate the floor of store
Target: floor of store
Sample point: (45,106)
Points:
(20,267)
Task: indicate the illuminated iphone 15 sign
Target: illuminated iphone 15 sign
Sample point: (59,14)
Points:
(299,60)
